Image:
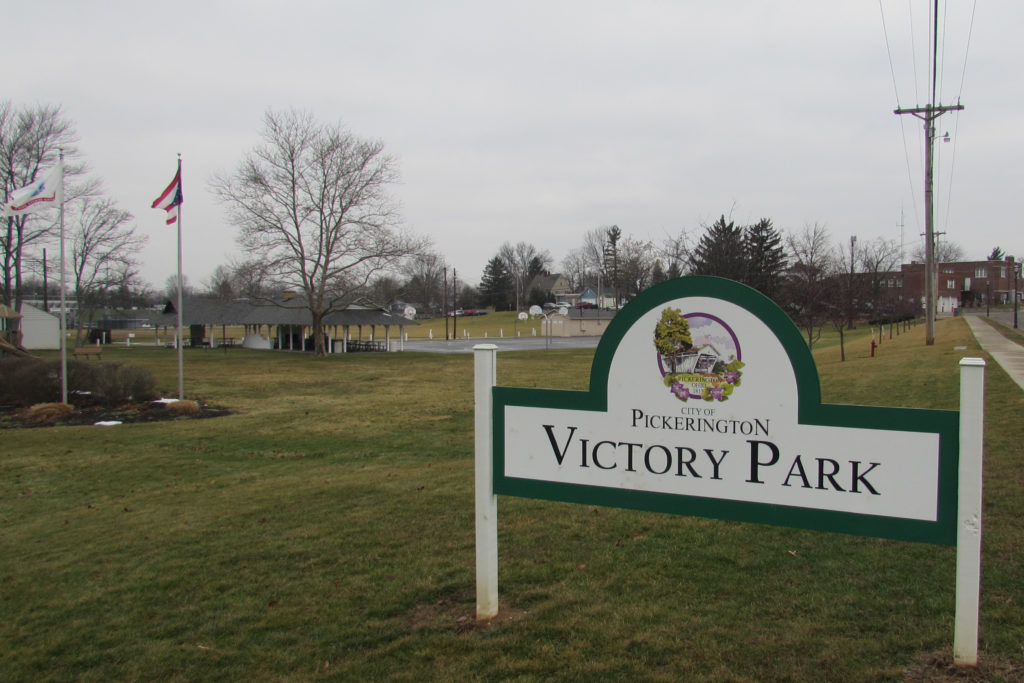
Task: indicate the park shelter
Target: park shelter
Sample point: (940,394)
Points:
(286,325)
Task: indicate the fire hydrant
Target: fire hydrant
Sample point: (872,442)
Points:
(873,345)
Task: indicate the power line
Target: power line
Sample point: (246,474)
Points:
(896,92)
(913,50)
(970,32)
(888,51)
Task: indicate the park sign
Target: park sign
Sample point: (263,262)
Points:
(704,400)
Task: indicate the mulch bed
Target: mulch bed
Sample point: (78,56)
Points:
(17,418)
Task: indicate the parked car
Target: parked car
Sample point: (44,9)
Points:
(585,304)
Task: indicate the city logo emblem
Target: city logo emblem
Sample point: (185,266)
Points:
(698,355)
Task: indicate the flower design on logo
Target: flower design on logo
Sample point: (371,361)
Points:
(698,355)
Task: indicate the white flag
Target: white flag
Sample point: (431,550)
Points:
(40,195)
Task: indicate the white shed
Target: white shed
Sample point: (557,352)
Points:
(40,330)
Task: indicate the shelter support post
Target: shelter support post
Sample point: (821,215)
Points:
(484,379)
(968,537)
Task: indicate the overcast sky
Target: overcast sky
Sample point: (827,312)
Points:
(541,120)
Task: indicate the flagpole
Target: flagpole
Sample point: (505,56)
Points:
(63,307)
(181,339)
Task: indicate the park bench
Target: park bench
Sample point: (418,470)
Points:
(88,351)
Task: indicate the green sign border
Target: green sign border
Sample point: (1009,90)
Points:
(811,411)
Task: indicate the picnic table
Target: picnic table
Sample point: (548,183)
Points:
(355,346)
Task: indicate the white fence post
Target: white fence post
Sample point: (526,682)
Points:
(969,496)
(484,378)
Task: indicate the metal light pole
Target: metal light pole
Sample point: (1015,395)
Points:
(1016,276)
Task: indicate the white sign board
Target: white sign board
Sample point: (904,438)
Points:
(705,400)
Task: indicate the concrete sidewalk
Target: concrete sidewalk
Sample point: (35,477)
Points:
(1008,354)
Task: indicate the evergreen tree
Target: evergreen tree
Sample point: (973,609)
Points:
(657,273)
(496,286)
(765,257)
(720,252)
(537,267)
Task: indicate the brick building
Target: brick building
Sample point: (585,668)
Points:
(960,284)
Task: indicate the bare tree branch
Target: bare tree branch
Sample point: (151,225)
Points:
(312,206)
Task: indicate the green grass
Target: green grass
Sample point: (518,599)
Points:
(326,531)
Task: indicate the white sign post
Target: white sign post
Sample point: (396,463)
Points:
(484,378)
(968,539)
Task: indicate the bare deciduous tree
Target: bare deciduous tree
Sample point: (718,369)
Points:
(425,283)
(594,243)
(220,284)
(170,291)
(574,268)
(31,138)
(519,260)
(104,248)
(312,205)
(945,252)
(847,291)
(675,251)
(636,260)
(878,258)
(807,290)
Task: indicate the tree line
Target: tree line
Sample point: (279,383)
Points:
(817,281)
(312,206)
(101,243)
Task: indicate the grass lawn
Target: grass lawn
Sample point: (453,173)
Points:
(325,530)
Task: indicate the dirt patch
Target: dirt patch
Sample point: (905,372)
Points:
(454,613)
(939,667)
(156,411)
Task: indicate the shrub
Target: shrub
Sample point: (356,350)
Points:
(117,384)
(24,381)
(48,413)
(82,381)
(183,408)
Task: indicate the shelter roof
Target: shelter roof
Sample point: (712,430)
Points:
(196,311)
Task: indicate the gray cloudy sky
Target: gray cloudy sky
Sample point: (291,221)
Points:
(540,120)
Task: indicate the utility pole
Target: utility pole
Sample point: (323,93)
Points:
(903,248)
(928,114)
